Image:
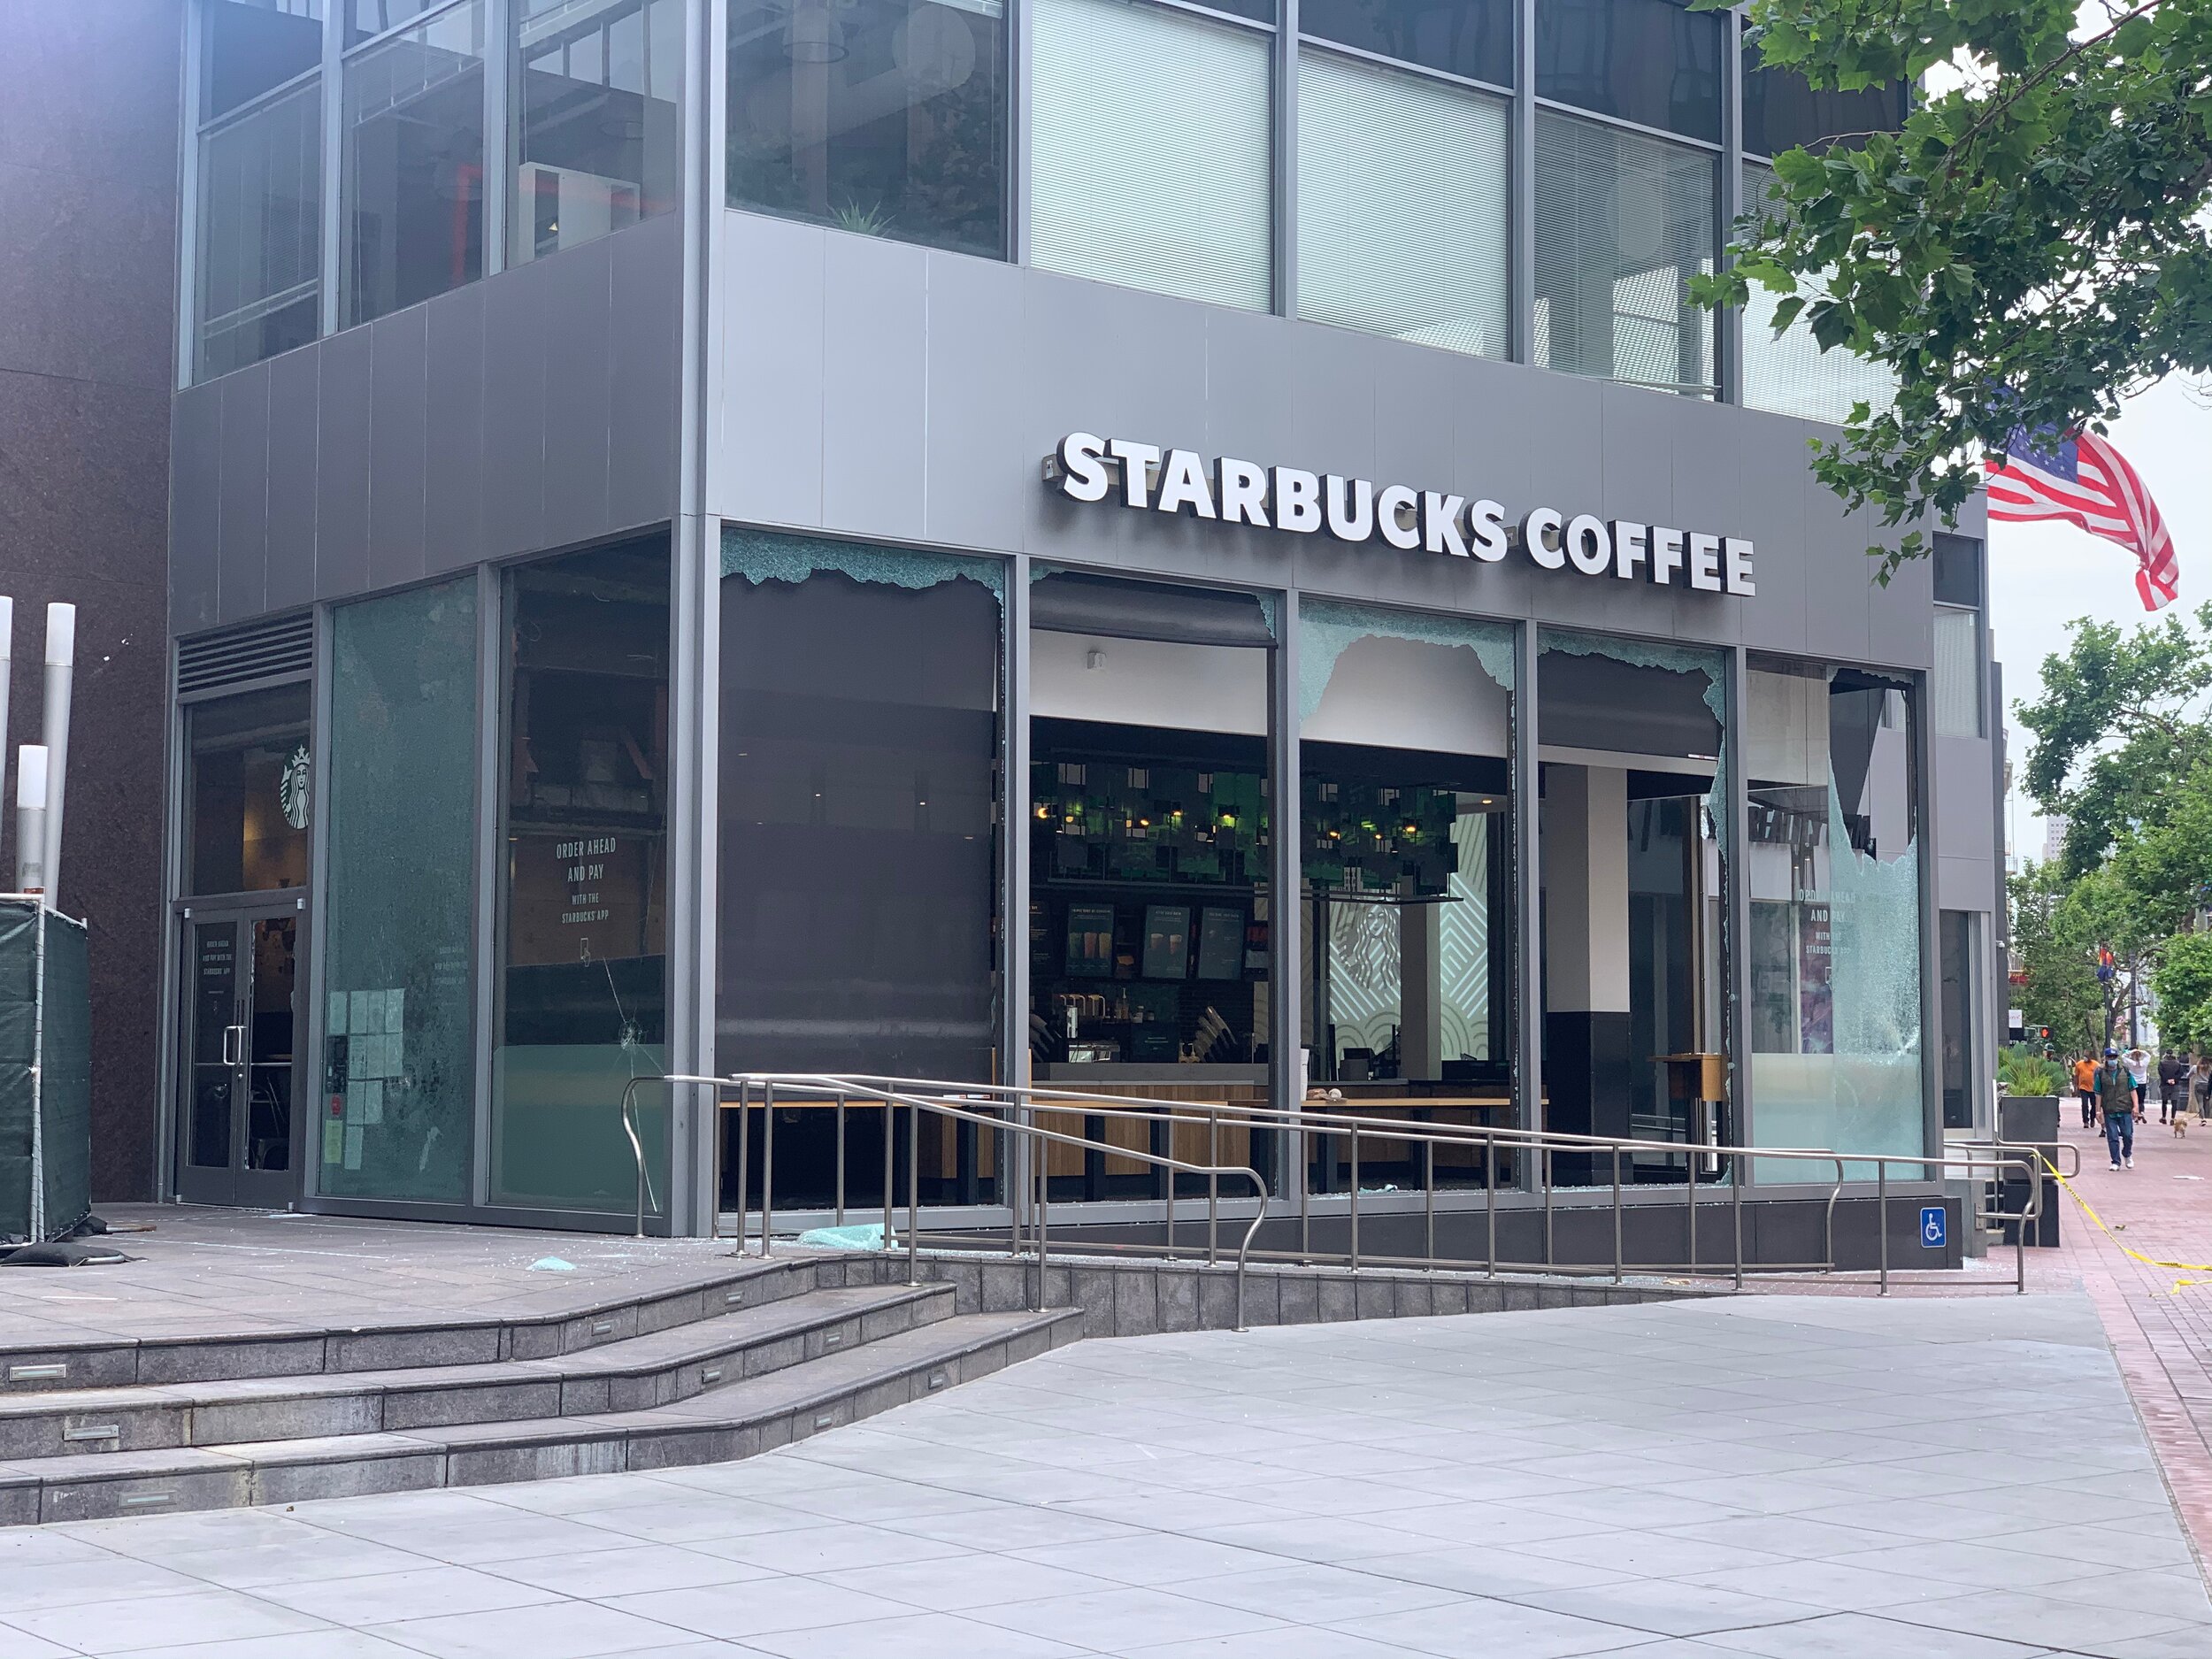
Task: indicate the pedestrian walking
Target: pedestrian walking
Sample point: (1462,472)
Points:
(2173,1085)
(2139,1070)
(2201,1089)
(2085,1087)
(2115,1099)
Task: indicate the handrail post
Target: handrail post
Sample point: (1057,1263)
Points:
(744,1165)
(1213,1185)
(1299,1141)
(2020,1229)
(767,1169)
(890,1162)
(1428,1195)
(914,1192)
(1881,1215)
(841,1157)
(1689,1166)
(1044,1217)
(1355,1195)
(1490,1203)
(721,1155)
(1618,1255)
(1544,1164)
(1735,1199)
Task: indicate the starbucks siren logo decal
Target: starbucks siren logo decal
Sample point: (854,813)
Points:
(292,788)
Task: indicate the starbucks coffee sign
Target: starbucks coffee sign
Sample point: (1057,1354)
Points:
(1145,476)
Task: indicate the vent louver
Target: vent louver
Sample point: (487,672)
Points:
(283,650)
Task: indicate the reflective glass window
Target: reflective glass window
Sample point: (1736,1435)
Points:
(259,264)
(1149,150)
(1955,683)
(413,190)
(254,45)
(367,18)
(1402,183)
(858,896)
(1789,373)
(598,141)
(1623,222)
(1957,560)
(1634,862)
(1958,936)
(1406,942)
(883,116)
(583,984)
(1834,868)
(1781,109)
(1474,38)
(1653,62)
(395,1109)
(247,777)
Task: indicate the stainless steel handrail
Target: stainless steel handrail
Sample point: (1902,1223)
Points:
(1005,1107)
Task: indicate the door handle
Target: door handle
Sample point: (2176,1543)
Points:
(234,1045)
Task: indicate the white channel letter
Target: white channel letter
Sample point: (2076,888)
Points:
(1736,552)
(1295,497)
(1588,545)
(1485,530)
(1350,504)
(1705,563)
(1540,537)
(1666,555)
(1439,523)
(1632,546)
(1083,467)
(1135,459)
(1242,489)
(1395,516)
(1183,484)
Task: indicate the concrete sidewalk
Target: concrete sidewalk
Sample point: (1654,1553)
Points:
(1794,1478)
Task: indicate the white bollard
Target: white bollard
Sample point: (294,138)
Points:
(61,657)
(30,819)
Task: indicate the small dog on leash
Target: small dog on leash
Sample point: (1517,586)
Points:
(2181,1125)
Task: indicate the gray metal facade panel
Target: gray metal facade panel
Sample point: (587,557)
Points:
(645,385)
(875,369)
(342,464)
(293,382)
(242,491)
(767,400)
(1092,356)
(512,481)
(579,301)
(971,421)
(453,432)
(196,440)
(1968,883)
(399,386)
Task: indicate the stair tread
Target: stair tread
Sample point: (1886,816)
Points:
(657,1350)
(735,1404)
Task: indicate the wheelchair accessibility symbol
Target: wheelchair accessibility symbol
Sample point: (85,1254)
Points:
(1934,1230)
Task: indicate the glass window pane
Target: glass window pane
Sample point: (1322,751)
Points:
(1401,205)
(399,1077)
(1956,933)
(1149,150)
(1955,685)
(1648,61)
(1958,570)
(1405,944)
(1790,375)
(1781,110)
(1833,865)
(597,128)
(1462,37)
(859,877)
(367,18)
(261,234)
(1634,865)
(252,45)
(1623,222)
(247,779)
(414,176)
(884,117)
(583,999)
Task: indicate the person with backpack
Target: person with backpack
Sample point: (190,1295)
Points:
(2115,1099)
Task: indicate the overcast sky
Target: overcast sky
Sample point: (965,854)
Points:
(2042,576)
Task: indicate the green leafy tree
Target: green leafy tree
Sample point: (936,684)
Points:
(2062,989)
(2028,250)
(2122,745)
(2184,984)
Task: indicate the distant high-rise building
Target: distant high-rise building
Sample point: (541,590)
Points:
(2054,838)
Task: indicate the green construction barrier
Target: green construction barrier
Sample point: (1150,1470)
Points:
(45,1072)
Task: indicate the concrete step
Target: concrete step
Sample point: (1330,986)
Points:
(221,1355)
(729,1420)
(629,1374)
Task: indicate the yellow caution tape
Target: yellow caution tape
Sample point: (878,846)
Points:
(2147,1261)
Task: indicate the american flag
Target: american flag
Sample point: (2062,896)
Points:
(2087,482)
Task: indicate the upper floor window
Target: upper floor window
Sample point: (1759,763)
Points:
(1782,111)
(884,117)
(1472,38)
(1651,62)
(598,134)
(251,47)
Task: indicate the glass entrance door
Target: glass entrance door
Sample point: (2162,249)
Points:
(238,1126)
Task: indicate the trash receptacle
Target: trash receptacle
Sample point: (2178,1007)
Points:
(45,1072)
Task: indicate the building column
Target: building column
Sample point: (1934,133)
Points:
(1586,942)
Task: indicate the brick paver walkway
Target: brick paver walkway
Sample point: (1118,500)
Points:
(2159,1319)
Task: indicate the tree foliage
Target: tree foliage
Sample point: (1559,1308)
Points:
(2184,984)
(2029,249)
(2050,945)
